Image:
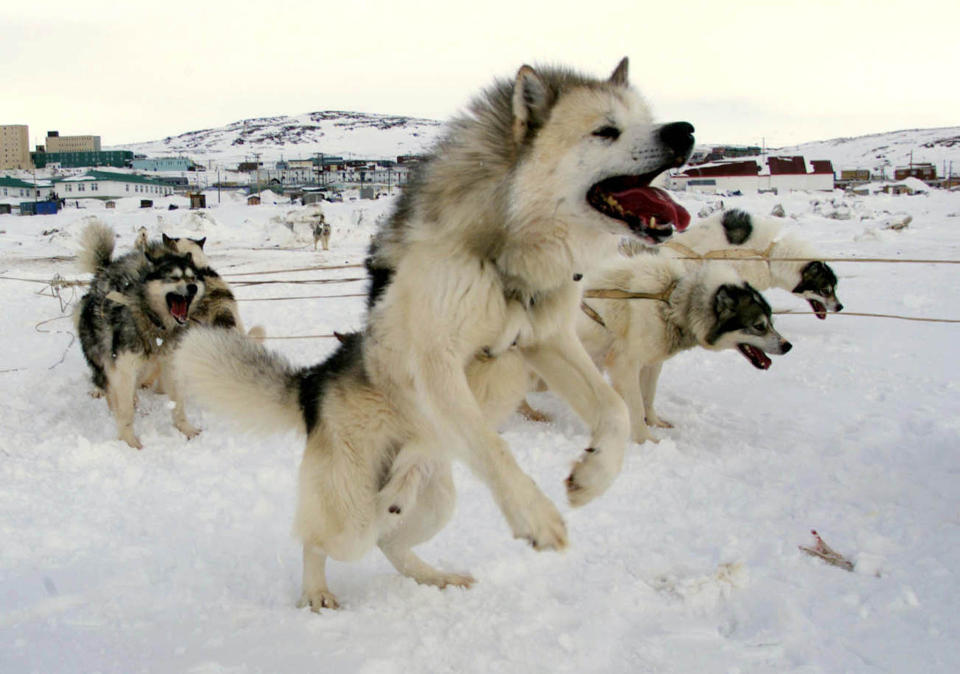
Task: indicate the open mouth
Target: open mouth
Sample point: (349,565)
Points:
(648,211)
(178,305)
(818,308)
(756,357)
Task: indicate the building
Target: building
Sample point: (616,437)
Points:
(13,190)
(83,159)
(57,143)
(921,171)
(751,176)
(15,147)
(110,185)
(163,164)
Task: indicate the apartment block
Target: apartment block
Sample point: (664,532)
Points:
(15,147)
(57,143)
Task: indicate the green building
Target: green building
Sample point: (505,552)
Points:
(115,158)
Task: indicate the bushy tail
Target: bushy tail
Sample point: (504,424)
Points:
(96,247)
(235,375)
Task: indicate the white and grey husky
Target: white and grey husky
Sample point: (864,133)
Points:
(476,271)
(708,305)
(801,273)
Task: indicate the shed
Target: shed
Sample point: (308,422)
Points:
(110,204)
(146,203)
(5,209)
(253,200)
(198,200)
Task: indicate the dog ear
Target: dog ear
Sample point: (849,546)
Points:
(200,242)
(529,103)
(724,301)
(169,242)
(619,76)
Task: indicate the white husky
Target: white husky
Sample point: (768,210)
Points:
(476,271)
(708,306)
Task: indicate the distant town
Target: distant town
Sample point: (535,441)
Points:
(76,167)
(72,168)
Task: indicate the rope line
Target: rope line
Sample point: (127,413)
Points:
(868,315)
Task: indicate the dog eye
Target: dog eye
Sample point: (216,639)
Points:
(760,327)
(608,132)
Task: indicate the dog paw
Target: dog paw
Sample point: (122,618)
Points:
(132,440)
(540,524)
(317,600)
(645,436)
(445,580)
(658,422)
(589,478)
(188,429)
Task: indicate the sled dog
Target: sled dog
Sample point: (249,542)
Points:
(129,321)
(476,271)
(705,305)
(737,230)
(321,233)
(218,306)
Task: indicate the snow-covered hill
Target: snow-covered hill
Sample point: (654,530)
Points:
(363,135)
(350,134)
(887,150)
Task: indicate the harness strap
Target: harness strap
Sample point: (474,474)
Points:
(617,294)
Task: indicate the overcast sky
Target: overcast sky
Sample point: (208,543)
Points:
(740,71)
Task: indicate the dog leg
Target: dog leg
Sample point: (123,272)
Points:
(649,375)
(122,390)
(406,562)
(428,484)
(625,374)
(454,412)
(565,365)
(169,383)
(315,594)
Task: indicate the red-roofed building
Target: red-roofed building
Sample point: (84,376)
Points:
(749,175)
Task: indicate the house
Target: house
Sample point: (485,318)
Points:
(110,185)
(924,172)
(14,190)
(752,176)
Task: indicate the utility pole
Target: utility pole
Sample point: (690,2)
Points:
(256,158)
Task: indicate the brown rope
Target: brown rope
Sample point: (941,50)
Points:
(894,316)
(299,297)
(281,271)
(320,281)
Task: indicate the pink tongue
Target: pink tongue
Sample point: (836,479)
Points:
(179,309)
(653,202)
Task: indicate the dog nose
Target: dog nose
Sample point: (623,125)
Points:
(785,346)
(191,289)
(839,307)
(678,136)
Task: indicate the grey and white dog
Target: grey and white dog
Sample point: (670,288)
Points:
(475,275)
(709,306)
(137,307)
(801,273)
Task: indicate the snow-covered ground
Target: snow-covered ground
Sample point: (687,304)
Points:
(179,558)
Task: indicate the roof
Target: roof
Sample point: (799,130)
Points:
(7,181)
(122,177)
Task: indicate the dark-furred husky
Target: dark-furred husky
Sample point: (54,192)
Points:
(136,309)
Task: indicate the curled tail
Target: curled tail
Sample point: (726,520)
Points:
(233,374)
(96,247)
